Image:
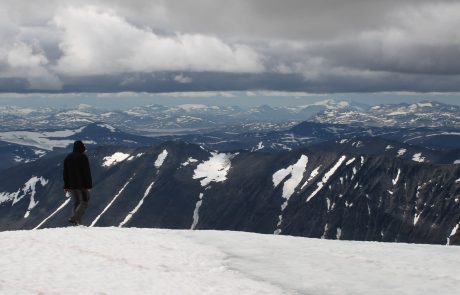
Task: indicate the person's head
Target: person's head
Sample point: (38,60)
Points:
(79,147)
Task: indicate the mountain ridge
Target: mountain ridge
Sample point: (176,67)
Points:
(314,194)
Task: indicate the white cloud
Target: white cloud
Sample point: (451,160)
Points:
(390,45)
(20,60)
(96,42)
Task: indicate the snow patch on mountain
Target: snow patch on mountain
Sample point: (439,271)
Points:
(453,232)
(418,158)
(259,146)
(193,107)
(196,212)
(55,212)
(350,161)
(424,105)
(313,174)
(401,152)
(29,189)
(326,177)
(42,140)
(161,158)
(114,159)
(107,126)
(395,181)
(189,161)
(111,202)
(213,170)
(134,157)
(132,212)
(280,175)
(296,171)
(328,104)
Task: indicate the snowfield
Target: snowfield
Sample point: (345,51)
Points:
(151,261)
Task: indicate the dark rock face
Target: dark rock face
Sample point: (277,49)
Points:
(309,193)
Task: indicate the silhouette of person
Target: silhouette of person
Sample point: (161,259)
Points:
(77,180)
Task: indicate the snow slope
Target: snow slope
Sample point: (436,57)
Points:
(152,261)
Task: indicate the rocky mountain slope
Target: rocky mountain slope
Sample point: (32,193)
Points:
(303,192)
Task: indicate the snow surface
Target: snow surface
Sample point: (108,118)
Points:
(192,107)
(115,159)
(425,104)
(418,158)
(296,171)
(388,147)
(416,218)
(161,158)
(189,161)
(107,126)
(401,152)
(153,261)
(213,170)
(395,181)
(350,161)
(42,140)
(453,232)
(28,189)
(135,157)
(259,146)
(313,174)
(196,212)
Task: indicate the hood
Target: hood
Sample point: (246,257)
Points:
(79,147)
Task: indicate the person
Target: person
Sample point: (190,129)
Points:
(77,180)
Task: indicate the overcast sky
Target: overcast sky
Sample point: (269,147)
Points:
(320,47)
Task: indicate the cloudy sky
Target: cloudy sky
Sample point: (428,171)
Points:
(319,46)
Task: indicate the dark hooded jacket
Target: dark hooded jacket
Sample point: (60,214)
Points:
(77,174)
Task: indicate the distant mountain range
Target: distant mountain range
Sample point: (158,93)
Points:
(311,193)
(195,118)
(422,114)
(434,145)
(158,119)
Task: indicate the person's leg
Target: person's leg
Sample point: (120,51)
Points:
(75,195)
(83,199)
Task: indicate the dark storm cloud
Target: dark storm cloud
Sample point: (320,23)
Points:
(215,81)
(202,45)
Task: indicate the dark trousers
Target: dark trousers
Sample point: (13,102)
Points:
(80,199)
